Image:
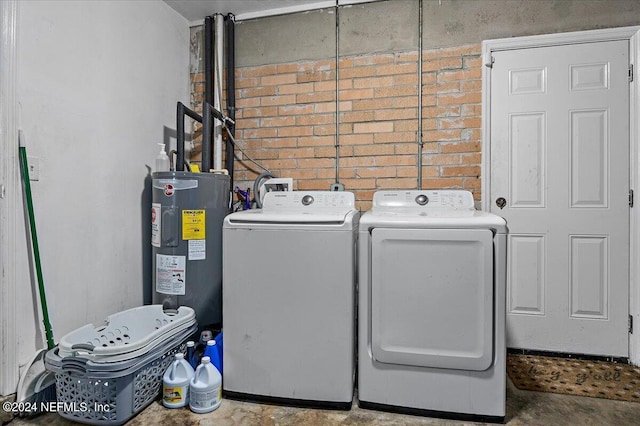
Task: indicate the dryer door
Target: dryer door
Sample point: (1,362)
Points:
(432,297)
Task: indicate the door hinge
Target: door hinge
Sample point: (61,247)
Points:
(631,198)
(630,324)
(630,73)
(489,61)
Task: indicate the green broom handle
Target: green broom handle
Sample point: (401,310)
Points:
(36,250)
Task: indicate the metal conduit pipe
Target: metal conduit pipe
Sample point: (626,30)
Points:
(182,110)
(420,142)
(337,92)
(231,92)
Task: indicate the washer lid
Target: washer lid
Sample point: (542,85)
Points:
(301,207)
(429,209)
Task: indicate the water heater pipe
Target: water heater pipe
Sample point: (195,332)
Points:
(231,92)
(217,91)
(182,110)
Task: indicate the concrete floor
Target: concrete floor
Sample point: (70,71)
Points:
(523,408)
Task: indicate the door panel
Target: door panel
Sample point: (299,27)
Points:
(432,297)
(560,156)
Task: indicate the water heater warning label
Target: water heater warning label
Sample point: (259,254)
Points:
(193,225)
(170,274)
(156,209)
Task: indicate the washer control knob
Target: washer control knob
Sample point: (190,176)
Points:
(422,199)
(307,199)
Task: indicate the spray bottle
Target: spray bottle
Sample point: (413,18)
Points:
(162,160)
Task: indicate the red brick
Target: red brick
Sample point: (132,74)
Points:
(394,69)
(369,104)
(296,152)
(258,112)
(474,158)
(440,159)
(306,120)
(376,127)
(357,72)
(356,94)
(314,185)
(450,171)
(295,131)
(442,64)
(308,98)
(442,183)
(395,114)
(278,100)
(315,163)
(316,141)
(288,89)
(440,135)
(406,126)
(469,49)
(295,109)
(383,149)
(396,160)
(406,79)
(375,172)
(279,143)
(372,60)
(459,98)
(365,83)
(396,183)
(356,162)
(460,147)
(316,76)
(359,183)
(299,175)
(278,79)
(358,139)
(259,71)
(356,116)
(386,92)
(459,123)
(278,121)
(395,137)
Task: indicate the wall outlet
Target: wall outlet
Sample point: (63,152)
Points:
(34,168)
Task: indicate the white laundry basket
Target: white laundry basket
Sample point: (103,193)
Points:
(110,389)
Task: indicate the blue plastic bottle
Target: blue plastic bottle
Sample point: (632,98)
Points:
(212,352)
(219,343)
(191,359)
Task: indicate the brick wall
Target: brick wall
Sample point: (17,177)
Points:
(286,120)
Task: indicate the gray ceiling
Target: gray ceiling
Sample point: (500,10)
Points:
(196,10)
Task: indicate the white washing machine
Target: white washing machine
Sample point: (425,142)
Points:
(431,328)
(288,298)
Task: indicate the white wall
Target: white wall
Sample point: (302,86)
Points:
(97,85)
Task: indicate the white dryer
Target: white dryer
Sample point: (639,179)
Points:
(431,327)
(288,297)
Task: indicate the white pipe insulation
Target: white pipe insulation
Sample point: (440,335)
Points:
(217,90)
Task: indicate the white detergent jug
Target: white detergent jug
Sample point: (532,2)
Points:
(206,388)
(175,383)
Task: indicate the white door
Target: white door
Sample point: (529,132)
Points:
(560,160)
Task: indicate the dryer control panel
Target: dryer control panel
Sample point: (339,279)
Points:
(449,199)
